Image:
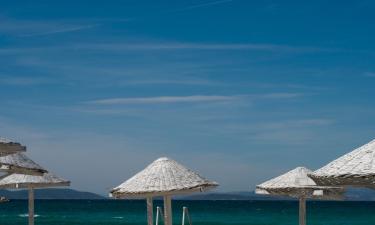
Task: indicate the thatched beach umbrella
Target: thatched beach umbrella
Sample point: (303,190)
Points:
(164,177)
(21,164)
(297,184)
(356,168)
(8,147)
(31,182)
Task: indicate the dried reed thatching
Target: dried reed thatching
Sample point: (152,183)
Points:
(8,147)
(20,163)
(356,168)
(31,181)
(296,183)
(163,177)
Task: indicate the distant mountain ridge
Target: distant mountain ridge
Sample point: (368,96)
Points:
(51,193)
(231,196)
(353,194)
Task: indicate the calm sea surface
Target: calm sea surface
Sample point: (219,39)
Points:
(110,212)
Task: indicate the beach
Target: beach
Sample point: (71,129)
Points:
(110,212)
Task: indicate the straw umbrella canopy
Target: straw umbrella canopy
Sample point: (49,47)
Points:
(8,147)
(297,184)
(21,164)
(356,168)
(32,182)
(164,177)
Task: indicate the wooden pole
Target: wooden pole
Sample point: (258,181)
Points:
(150,211)
(183,215)
(167,210)
(302,211)
(31,206)
(158,210)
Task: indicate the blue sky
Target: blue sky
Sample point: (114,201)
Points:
(238,90)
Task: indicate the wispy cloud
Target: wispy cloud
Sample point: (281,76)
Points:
(15,131)
(23,81)
(292,124)
(212,3)
(369,74)
(61,30)
(191,99)
(125,47)
(164,99)
(172,81)
(278,131)
(181,9)
(290,131)
(199,46)
(281,95)
(30,28)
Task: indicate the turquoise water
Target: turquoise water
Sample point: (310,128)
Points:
(110,212)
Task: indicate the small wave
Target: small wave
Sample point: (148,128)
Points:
(27,215)
(118,217)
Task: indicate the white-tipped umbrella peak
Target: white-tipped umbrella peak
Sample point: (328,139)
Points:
(163,177)
(20,163)
(8,147)
(357,168)
(294,178)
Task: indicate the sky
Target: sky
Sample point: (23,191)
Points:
(240,91)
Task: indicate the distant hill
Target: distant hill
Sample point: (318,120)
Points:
(51,193)
(352,194)
(360,194)
(62,193)
(231,196)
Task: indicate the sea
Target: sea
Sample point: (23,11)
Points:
(111,212)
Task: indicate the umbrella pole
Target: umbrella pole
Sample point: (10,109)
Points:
(31,206)
(167,210)
(150,213)
(302,211)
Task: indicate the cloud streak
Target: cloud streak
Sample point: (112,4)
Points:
(125,47)
(24,81)
(369,74)
(190,99)
(31,28)
(61,30)
(164,99)
(201,5)
(182,9)
(199,46)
